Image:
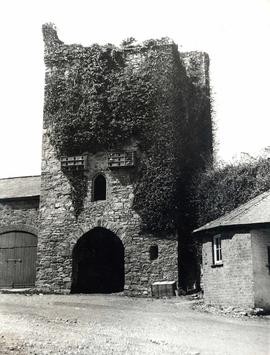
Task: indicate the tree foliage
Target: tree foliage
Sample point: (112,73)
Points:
(221,190)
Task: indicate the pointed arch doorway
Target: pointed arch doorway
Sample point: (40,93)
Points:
(98,263)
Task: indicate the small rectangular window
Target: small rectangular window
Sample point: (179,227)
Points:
(217,252)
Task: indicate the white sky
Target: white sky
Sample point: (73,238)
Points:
(235,33)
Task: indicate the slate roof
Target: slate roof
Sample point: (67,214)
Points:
(255,211)
(19,187)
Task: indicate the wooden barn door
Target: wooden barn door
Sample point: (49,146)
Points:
(18,252)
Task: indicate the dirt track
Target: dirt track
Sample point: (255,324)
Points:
(111,324)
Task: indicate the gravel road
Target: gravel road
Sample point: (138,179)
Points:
(113,324)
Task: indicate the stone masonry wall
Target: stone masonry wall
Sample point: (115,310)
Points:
(24,217)
(59,230)
(231,283)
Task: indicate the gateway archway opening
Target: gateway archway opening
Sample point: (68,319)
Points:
(98,263)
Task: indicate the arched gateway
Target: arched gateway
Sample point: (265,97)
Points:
(98,263)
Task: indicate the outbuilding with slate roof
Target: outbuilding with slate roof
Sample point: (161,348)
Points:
(19,208)
(236,256)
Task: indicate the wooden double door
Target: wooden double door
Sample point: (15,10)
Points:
(18,251)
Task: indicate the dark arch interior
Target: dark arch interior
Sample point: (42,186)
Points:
(99,188)
(98,263)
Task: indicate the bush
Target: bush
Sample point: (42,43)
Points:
(218,191)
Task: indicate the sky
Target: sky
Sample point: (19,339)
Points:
(235,34)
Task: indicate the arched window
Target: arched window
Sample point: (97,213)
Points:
(99,186)
(153,252)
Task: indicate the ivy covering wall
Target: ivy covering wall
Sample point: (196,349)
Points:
(98,98)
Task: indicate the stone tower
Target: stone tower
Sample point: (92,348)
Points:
(121,126)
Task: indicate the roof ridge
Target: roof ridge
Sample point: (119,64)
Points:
(247,204)
(19,177)
(237,213)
